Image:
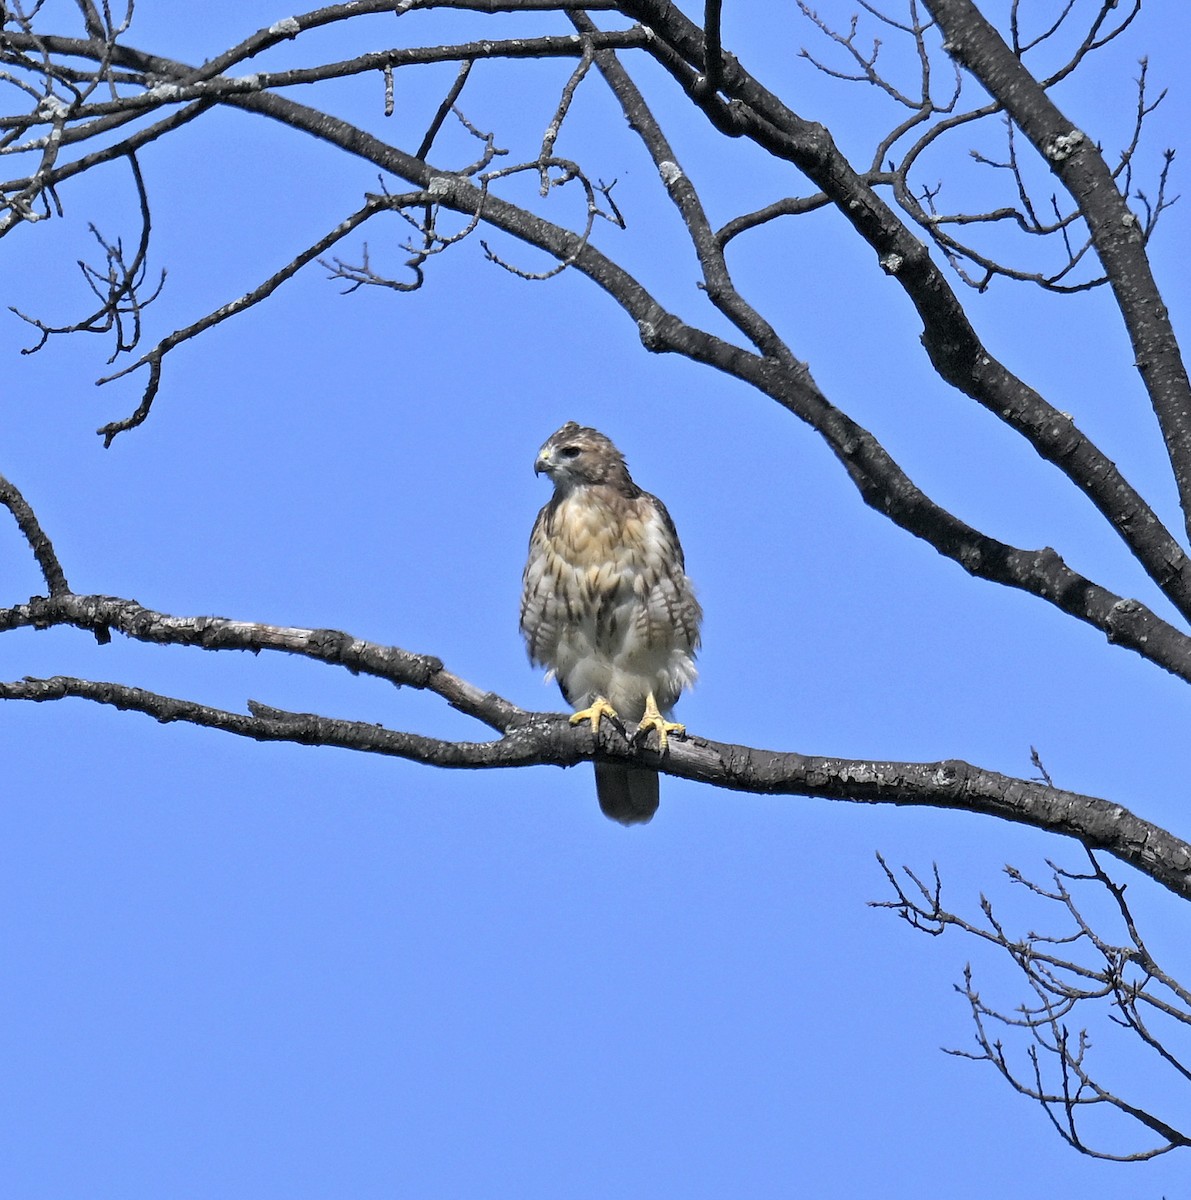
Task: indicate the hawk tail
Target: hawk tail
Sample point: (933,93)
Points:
(627,794)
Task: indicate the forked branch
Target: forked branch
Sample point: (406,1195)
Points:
(1077,980)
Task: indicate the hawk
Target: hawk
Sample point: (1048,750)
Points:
(606,605)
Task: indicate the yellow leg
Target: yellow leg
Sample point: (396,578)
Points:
(653,719)
(598,708)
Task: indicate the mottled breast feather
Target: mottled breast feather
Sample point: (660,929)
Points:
(606,598)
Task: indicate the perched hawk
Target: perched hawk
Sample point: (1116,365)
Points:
(606,604)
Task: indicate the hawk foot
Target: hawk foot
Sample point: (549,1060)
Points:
(653,719)
(598,708)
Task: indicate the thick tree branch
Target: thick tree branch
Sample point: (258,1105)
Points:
(536,738)
(713,59)
(952,344)
(1116,231)
(133,620)
(547,738)
(39,543)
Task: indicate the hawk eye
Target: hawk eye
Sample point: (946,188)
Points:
(569,452)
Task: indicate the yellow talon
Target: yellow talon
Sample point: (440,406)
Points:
(653,719)
(598,708)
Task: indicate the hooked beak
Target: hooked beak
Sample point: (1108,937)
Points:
(541,463)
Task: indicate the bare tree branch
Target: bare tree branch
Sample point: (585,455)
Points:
(919,201)
(39,543)
(954,348)
(713,58)
(1076,975)
(118,287)
(1115,230)
(548,738)
(155,357)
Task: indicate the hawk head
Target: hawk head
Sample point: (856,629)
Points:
(577,455)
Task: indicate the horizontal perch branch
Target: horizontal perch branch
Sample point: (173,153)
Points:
(535,739)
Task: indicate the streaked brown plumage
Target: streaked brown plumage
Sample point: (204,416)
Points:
(606,605)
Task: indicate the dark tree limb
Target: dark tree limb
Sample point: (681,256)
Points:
(717,282)
(713,57)
(535,739)
(951,343)
(881,482)
(1115,229)
(133,620)
(39,543)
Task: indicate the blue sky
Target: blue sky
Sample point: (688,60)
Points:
(267,971)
